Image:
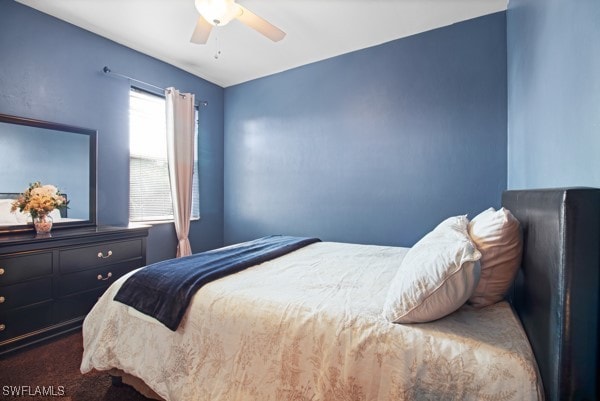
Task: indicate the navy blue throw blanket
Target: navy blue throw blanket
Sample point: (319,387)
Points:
(164,290)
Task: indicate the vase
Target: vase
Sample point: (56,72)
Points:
(42,223)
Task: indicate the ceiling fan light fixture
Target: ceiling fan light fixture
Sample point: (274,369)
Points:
(218,12)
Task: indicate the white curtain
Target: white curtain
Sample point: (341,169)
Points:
(180,153)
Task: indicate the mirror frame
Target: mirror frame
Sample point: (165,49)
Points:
(93,146)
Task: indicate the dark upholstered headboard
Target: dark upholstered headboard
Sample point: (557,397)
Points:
(556,292)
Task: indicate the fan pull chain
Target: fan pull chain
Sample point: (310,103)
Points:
(217,49)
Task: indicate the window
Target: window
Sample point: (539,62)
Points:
(149,190)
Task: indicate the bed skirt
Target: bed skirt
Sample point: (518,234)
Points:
(136,383)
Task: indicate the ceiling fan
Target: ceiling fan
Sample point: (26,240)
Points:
(221,12)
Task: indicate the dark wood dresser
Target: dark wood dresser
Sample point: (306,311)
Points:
(48,284)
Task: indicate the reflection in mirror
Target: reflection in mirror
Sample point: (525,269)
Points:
(56,154)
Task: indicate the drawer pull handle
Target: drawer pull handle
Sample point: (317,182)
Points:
(103,256)
(100,278)
(1,271)
(2,327)
(2,300)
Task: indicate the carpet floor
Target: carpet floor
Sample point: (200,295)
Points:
(53,368)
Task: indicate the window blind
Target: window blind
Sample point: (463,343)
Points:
(150,194)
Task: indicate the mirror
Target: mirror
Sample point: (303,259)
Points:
(56,154)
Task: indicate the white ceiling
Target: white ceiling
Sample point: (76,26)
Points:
(316,29)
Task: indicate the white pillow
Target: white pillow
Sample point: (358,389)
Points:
(55,214)
(497,235)
(436,277)
(7,218)
(23,218)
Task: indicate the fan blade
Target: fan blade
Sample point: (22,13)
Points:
(261,25)
(201,32)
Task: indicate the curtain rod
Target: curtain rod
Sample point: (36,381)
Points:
(107,70)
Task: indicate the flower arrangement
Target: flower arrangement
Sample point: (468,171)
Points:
(39,200)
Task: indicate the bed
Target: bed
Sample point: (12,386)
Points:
(329,341)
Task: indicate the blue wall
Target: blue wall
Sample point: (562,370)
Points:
(553,93)
(375,146)
(51,70)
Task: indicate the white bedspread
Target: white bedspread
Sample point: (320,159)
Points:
(308,326)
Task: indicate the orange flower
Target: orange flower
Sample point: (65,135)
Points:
(39,200)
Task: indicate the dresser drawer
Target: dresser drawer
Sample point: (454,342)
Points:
(24,320)
(14,269)
(29,292)
(100,277)
(101,254)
